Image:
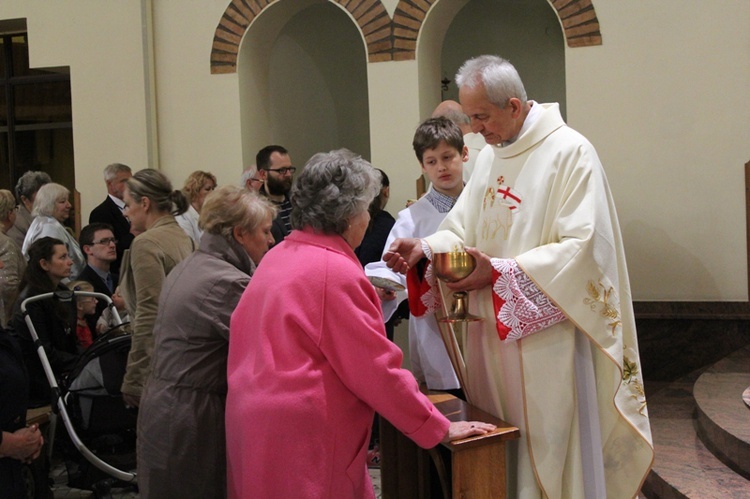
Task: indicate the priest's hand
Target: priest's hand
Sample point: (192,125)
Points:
(479,278)
(463,429)
(403,254)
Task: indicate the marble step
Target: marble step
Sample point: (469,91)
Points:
(722,418)
(684,466)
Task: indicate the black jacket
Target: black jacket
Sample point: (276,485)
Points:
(13,402)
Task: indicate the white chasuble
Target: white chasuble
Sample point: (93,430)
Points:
(574,388)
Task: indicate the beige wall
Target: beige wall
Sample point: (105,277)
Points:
(664,100)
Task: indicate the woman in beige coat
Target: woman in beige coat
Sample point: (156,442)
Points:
(150,205)
(13,262)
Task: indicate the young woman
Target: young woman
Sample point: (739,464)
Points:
(49,264)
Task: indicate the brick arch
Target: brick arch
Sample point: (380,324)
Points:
(578,18)
(386,39)
(371,17)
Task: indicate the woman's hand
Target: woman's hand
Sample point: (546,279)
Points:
(24,444)
(463,429)
(385,294)
(131,400)
(479,278)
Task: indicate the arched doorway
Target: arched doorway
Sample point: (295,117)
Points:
(303,81)
(527,33)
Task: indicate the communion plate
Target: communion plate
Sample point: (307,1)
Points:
(387,284)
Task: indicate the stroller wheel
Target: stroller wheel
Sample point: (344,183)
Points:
(102,489)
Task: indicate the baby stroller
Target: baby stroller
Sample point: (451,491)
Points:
(89,401)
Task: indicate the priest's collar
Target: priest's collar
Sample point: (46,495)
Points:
(533,115)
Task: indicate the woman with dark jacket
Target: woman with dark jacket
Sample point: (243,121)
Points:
(381,223)
(49,264)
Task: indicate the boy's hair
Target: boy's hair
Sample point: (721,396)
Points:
(434,131)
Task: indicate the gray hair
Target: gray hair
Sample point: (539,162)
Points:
(154,185)
(332,188)
(7,204)
(29,183)
(231,206)
(248,174)
(46,197)
(498,76)
(111,171)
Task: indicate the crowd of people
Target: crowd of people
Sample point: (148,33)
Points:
(259,351)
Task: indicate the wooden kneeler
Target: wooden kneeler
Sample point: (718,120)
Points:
(472,467)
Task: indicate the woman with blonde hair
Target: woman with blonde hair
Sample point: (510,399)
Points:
(13,262)
(51,209)
(197,186)
(182,409)
(150,204)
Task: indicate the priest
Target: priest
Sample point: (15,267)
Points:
(556,353)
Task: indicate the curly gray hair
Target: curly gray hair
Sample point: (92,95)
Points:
(29,183)
(333,187)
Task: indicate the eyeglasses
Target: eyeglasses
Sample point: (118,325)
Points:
(283,170)
(106,241)
(254,180)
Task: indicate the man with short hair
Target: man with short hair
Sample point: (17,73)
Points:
(250,179)
(99,244)
(474,141)
(556,351)
(275,170)
(26,188)
(110,211)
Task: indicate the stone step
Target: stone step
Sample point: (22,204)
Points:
(684,466)
(722,418)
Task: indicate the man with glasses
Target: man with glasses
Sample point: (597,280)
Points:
(99,244)
(276,171)
(110,211)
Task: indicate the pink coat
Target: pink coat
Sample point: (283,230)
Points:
(309,362)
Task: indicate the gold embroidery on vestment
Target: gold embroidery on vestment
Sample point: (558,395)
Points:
(604,300)
(598,294)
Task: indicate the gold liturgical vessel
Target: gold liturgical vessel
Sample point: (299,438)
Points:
(452,267)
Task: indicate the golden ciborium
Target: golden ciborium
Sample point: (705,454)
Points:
(452,267)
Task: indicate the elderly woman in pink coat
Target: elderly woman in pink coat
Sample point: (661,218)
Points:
(309,361)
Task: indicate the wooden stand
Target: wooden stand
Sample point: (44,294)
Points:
(475,467)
